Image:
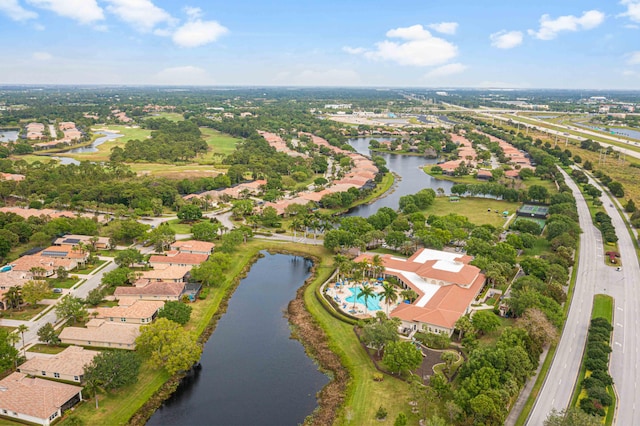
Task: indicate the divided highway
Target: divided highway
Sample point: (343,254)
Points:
(594,276)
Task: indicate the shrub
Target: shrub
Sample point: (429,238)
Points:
(588,406)
(601,395)
(381,414)
(378,377)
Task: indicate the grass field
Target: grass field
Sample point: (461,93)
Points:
(25,314)
(46,349)
(171,116)
(104,150)
(602,307)
(474,208)
(219,145)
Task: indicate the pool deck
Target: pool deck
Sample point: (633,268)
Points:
(339,293)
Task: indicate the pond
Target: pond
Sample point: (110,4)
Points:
(412,178)
(8,135)
(252,372)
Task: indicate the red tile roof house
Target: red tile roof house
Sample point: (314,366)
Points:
(102,334)
(136,312)
(193,247)
(177,259)
(145,289)
(36,400)
(446,285)
(166,272)
(67,365)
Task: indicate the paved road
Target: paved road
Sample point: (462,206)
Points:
(624,287)
(558,386)
(30,336)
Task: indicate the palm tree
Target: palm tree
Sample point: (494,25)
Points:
(341,264)
(388,294)
(357,275)
(12,339)
(22,329)
(409,295)
(378,265)
(366,292)
(14,297)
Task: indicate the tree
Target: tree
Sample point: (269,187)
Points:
(401,357)
(162,237)
(538,327)
(168,346)
(366,292)
(189,213)
(485,321)
(118,277)
(71,307)
(449,359)
(47,334)
(378,333)
(388,294)
(205,231)
(464,325)
(127,257)
(14,297)
(176,311)
(23,329)
(34,291)
(62,273)
(630,207)
(111,370)
(95,296)
(8,353)
(572,416)
(538,193)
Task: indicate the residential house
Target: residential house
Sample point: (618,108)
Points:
(446,285)
(145,289)
(103,334)
(193,247)
(36,400)
(101,243)
(166,272)
(178,259)
(67,365)
(137,312)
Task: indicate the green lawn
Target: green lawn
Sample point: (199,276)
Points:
(219,144)
(179,228)
(602,307)
(46,349)
(171,116)
(66,283)
(90,268)
(25,314)
(474,208)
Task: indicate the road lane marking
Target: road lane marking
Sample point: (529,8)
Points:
(619,308)
(620,344)
(618,324)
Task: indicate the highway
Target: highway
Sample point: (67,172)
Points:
(623,287)
(594,277)
(558,386)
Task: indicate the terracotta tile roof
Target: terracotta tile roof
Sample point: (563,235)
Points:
(137,310)
(153,288)
(100,331)
(13,278)
(193,245)
(179,259)
(70,362)
(35,397)
(168,272)
(11,176)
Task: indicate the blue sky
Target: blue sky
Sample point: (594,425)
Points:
(457,43)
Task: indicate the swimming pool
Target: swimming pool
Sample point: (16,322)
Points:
(5,268)
(373,303)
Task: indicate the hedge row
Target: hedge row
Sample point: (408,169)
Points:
(596,360)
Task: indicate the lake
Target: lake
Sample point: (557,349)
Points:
(252,372)
(409,168)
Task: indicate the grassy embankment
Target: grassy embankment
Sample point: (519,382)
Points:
(602,308)
(571,132)
(364,395)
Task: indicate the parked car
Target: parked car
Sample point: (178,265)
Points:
(57,290)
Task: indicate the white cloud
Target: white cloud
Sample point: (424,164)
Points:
(197,33)
(83,11)
(444,27)
(193,12)
(354,50)
(446,70)
(420,48)
(549,28)
(143,15)
(15,11)
(183,76)
(41,56)
(319,77)
(633,10)
(630,73)
(506,39)
(633,58)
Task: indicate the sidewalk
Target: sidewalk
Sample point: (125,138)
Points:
(524,393)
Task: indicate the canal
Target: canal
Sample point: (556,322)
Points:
(412,178)
(252,372)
